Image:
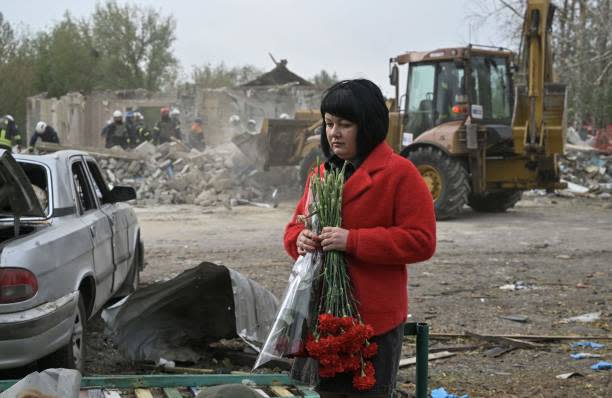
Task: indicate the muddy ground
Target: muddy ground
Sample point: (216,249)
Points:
(560,249)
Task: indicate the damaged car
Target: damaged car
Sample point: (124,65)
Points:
(68,244)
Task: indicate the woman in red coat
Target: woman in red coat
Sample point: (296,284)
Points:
(387,222)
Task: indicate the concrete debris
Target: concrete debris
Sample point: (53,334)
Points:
(587,172)
(173,174)
(585,318)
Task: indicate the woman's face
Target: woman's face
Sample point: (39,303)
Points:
(342,136)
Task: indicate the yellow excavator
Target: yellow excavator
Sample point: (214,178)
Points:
(480,127)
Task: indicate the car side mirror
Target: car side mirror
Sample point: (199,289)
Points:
(122,194)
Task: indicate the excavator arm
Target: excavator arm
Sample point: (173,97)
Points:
(539,116)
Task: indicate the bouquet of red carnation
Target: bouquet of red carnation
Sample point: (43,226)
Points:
(339,339)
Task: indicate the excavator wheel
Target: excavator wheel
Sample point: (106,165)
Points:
(308,163)
(446,178)
(494,202)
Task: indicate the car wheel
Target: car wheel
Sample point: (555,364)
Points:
(72,355)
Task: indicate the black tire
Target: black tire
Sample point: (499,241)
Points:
(494,202)
(72,355)
(446,178)
(307,163)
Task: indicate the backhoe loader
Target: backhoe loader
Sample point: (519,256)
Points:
(480,128)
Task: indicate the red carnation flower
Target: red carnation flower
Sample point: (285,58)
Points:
(369,350)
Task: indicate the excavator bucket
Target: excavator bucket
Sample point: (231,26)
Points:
(279,143)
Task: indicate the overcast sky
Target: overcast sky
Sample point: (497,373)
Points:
(352,38)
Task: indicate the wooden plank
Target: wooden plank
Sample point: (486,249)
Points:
(522,336)
(111,394)
(281,391)
(506,340)
(142,393)
(261,393)
(432,357)
(95,393)
(172,393)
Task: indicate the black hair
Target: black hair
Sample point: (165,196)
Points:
(359,101)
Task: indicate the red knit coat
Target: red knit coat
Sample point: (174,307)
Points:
(388,211)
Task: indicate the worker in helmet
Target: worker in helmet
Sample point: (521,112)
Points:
(165,128)
(130,126)
(142,132)
(235,125)
(9,133)
(115,132)
(175,117)
(251,126)
(45,133)
(196,134)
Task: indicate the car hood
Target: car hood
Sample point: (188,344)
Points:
(17,196)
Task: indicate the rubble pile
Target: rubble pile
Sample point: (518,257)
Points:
(589,169)
(172,173)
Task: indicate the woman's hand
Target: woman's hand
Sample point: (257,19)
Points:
(334,238)
(307,241)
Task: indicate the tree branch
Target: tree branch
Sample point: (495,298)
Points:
(509,6)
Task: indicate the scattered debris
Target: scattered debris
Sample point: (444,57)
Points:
(587,172)
(602,365)
(585,318)
(565,376)
(590,344)
(515,318)
(442,393)
(584,355)
(506,341)
(518,285)
(521,336)
(432,357)
(498,351)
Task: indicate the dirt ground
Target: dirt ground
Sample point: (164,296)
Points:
(559,249)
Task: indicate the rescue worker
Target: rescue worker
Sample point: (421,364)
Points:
(130,126)
(45,132)
(9,133)
(174,116)
(234,125)
(115,132)
(142,132)
(196,134)
(251,126)
(165,128)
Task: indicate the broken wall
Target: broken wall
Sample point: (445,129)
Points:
(79,118)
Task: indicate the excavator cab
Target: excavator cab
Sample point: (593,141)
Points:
(450,84)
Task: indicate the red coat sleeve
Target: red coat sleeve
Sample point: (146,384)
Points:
(411,239)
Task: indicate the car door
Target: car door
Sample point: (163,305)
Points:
(119,221)
(100,230)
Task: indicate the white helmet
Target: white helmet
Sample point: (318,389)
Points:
(284,116)
(117,114)
(234,120)
(10,118)
(175,112)
(138,115)
(40,127)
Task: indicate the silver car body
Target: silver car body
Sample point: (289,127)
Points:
(83,246)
